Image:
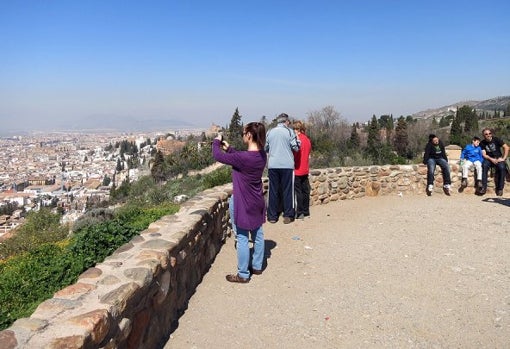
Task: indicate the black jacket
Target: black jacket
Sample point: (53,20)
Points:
(432,153)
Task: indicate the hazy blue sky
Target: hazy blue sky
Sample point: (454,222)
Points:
(199,60)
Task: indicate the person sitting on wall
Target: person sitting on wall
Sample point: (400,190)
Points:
(471,155)
(435,154)
(493,158)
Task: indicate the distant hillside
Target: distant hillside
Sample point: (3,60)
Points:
(131,124)
(497,103)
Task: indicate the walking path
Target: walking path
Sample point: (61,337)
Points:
(384,272)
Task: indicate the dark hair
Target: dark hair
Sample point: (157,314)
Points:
(258,133)
(431,137)
(282,118)
(476,138)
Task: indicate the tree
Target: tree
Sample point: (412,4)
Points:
(374,144)
(445,121)
(401,140)
(329,134)
(456,132)
(235,130)
(158,167)
(467,115)
(354,141)
(106,180)
(119,166)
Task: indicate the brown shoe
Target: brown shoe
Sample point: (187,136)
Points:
(236,278)
(499,192)
(256,272)
(287,220)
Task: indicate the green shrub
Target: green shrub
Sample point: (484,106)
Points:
(140,218)
(93,216)
(219,176)
(96,242)
(30,278)
(39,228)
(34,276)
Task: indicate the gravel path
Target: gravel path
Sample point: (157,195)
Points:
(384,272)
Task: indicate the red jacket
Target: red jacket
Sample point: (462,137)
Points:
(302,156)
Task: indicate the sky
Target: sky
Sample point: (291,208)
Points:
(73,62)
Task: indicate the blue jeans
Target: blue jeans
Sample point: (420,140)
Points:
(499,177)
(231,211)
(243,251)
(445,170)
(243,247)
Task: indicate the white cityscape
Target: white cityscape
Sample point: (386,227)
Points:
(65,170)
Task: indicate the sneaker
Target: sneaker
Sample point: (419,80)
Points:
(430,187)
(301,216)
(482,191)
(499,192)
(446,189)
(464,183)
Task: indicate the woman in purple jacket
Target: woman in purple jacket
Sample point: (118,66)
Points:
(249,203)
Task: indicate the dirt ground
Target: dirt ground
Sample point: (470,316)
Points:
(384,272)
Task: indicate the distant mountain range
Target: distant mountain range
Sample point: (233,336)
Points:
(131,124)
(105,123)
(97,124)
(497,103)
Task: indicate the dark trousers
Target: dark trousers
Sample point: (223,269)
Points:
(499,176)
(302,189)
(281,190)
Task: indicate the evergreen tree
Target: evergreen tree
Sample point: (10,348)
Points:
(158,168)
(106,180)
(235,131)
(471,124)
(456,132)
(118,168)
(374,146)
(354,141)
(386,122)
(401,141)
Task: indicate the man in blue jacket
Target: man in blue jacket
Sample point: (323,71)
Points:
(281,142)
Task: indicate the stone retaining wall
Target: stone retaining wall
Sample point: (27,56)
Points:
(136,296)
(352,182)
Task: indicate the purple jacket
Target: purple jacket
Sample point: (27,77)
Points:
(247,169)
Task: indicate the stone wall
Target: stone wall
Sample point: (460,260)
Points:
(136,296)
(343,183)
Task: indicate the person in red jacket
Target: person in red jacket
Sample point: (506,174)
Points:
(301,171)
